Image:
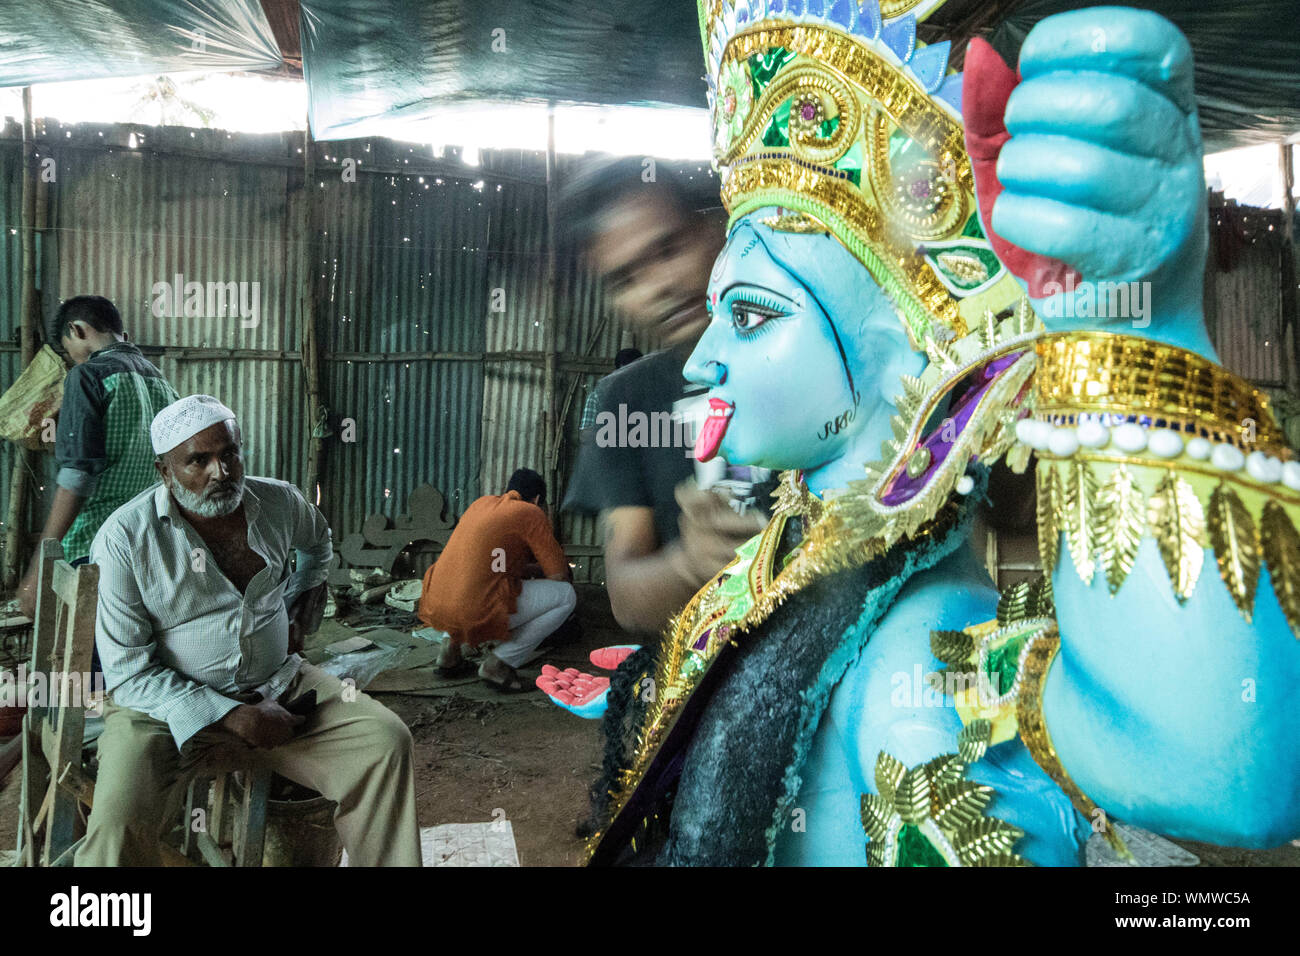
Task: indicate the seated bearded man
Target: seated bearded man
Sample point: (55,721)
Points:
(198,622)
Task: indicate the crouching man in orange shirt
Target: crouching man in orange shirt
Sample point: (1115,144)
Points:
(476,591)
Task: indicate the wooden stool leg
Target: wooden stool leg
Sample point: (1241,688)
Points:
(196,798)
(253,817)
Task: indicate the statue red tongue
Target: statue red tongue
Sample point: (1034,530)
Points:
(987,84)
(714,427)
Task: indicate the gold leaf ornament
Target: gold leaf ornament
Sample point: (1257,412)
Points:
(973,741)
(1236,546)
(889,774)
(1281,545)
(988,837)
(877,812)
(912,798)
(1177,520)
(1049,508)
(952,647)
(1121,514)
(962,805)
(1081,516)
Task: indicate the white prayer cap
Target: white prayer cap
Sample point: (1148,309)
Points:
(185,418)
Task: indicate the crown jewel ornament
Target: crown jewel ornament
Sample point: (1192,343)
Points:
(832,109)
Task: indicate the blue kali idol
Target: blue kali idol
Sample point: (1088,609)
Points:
(925,274)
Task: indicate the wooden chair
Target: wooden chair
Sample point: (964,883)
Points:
(215,843)
(63,642)
(53,770)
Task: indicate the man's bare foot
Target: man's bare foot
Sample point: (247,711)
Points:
(498,674)
(450,657)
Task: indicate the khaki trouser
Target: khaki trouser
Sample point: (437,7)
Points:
(355,752)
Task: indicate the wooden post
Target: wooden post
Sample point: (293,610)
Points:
(310,341)
(1286,165)
(23,457)
(552,423)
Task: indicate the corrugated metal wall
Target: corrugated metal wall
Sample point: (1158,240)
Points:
(409,252)
(431,380)
(126,220)
(1247,302)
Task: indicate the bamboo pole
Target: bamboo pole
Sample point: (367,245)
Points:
(310,340)
(23,457)
(1286,164)
(551,422)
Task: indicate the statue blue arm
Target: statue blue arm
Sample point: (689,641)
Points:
(1175,717)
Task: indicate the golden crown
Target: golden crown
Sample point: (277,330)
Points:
(834,113)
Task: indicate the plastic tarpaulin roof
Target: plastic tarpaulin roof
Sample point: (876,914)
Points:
(374,65)
(1247,61)
(49,41)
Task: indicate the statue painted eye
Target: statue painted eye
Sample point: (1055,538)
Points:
(746,316)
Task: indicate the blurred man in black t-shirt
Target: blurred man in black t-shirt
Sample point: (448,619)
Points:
(641,229)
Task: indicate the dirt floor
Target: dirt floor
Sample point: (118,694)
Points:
(479,752)
(482,756)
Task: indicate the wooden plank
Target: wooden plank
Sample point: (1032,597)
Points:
(209,850)
(196,798)
(77,589)
(66,857)
(33,774)
(65,583)
(257,787)
(46,625)
(217,821)
(76,782)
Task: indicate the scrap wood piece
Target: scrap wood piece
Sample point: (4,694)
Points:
(348,644)
(404,595)
(379,546)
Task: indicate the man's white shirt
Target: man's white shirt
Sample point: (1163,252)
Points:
(176,638)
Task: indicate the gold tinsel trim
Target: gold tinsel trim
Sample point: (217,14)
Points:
(1033,731)
(1100,372)
(1247,525)
(833,543)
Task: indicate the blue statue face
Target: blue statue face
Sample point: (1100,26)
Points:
(798,349)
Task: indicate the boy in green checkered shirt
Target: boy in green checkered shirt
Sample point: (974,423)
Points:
(103,450)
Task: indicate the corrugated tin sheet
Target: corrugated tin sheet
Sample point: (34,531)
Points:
(1244,300)
(409,251)
(405,273)
(139,227)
